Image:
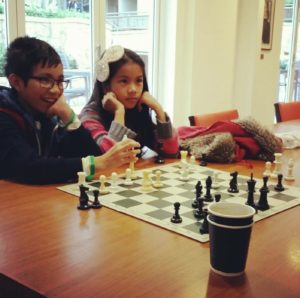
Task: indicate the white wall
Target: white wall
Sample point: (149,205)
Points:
(218,59)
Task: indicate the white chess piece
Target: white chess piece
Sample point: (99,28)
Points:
(133,174)
(102,189)
(146,185)
(128,180)
(81,178)
(192,163)
(184,171)
(193,160)
(215,180)
(157,182)
(290,176)
(268,166)
(277,163)
(114,179)
(183,155)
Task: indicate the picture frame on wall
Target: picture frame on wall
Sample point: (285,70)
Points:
(268,23)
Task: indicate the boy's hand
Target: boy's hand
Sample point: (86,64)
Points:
(60,109)
(121,153)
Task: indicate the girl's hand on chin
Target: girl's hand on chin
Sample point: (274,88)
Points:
(111,103)
(148,100)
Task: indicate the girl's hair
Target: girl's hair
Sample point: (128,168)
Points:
(24,53)
(139,122)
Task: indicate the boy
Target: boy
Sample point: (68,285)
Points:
(41,138)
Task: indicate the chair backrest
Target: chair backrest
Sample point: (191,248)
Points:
(209,119)
(285,111)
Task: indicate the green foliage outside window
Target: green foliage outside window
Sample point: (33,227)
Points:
(48,13)
(43,13)
(2,52)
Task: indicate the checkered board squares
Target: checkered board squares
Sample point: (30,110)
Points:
(157,205)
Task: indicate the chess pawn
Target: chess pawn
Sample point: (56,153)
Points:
(96,203)
(215,184)
(176,217)
(279,187)
(157,183)
(290,176)
(192,163)
(184,171)
(114,179)
(193,160)
(267,171)
(217,197)
(102,189)
(147,183)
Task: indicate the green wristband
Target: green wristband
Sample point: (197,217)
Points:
(92,168)
(72,118)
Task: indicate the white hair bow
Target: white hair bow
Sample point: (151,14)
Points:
(112,54)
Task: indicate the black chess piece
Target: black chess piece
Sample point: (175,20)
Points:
(217,197)
(159,159)
(263,200)
(96,203)
(279,186)
(176,217)
(233,187)
(199,212)
(208,183)
(203,161)
(83,198)
(265,181)
(198,188)
(204,225)
(251,190)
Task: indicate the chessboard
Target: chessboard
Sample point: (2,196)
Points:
(156,206)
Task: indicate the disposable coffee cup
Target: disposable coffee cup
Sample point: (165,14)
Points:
(230,226)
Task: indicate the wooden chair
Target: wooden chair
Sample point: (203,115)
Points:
(209,119)
(285,111)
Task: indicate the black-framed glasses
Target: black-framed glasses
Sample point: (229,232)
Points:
(48,83)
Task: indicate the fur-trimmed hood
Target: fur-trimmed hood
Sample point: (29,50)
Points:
(229,141)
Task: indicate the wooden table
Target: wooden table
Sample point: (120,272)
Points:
(50,246)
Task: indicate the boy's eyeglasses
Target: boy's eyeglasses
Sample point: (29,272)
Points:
(49,83)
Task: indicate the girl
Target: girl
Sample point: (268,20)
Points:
(121,105)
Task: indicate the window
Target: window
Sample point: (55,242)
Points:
(130,23)
(66,25)
(3,41)
(76,27)
(289,80)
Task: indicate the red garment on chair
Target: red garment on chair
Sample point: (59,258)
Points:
(246,145)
